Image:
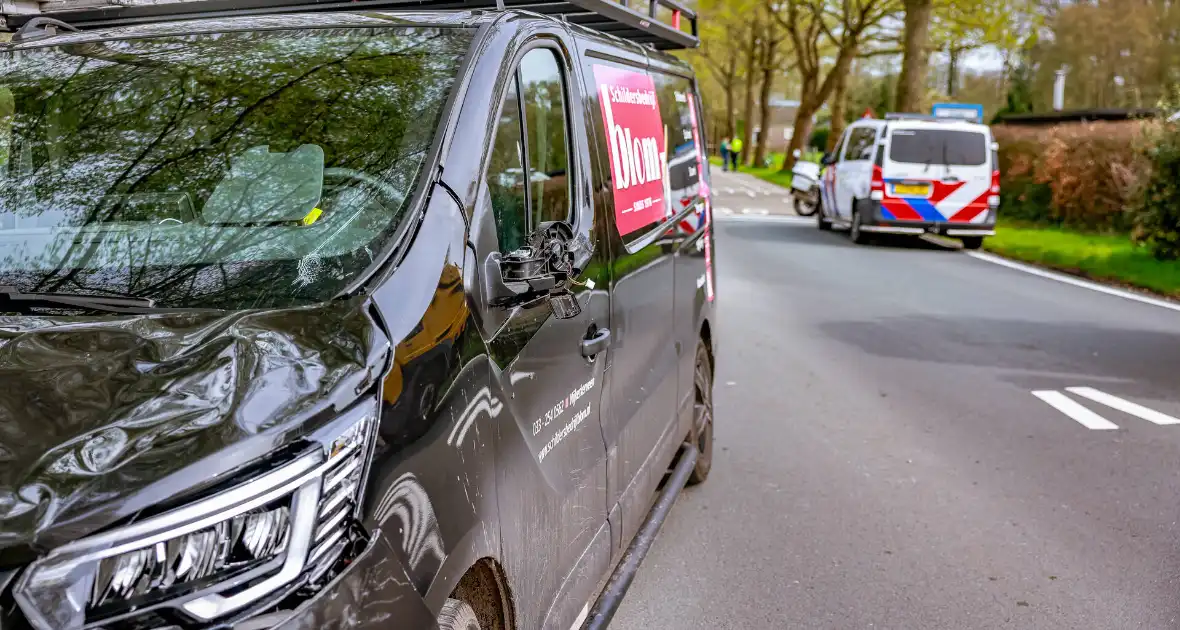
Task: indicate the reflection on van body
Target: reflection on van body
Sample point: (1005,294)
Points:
(264,367)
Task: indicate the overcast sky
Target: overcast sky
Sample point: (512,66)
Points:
(985,59)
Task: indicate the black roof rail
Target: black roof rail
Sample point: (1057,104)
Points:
(661,24)
(908,116)
(925,117)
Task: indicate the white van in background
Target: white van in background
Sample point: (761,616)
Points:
(912,174)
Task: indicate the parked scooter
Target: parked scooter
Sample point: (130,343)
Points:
(805,182)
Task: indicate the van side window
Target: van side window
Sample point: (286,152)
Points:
(532,138)
(838,151)
(673,94)
(505,177)
(860,143)
(548,155)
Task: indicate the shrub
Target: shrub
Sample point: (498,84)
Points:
(1158,218)
(819,137)
(1021,196)
(1086,175)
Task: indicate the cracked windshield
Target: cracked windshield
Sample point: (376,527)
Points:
(151,168)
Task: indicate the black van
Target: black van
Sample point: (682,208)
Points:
(343,318)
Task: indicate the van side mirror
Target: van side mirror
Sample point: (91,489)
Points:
(537,273)
(828,159)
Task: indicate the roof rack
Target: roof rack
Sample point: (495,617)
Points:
(928,118)
(657,23)
(907,116)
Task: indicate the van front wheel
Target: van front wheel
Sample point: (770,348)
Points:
(855,233)
(822,221)
(972,242)
(702,417)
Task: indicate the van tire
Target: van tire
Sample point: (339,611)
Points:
(457,615)
(972,242)
(702,415)
(858,237)
(822,221)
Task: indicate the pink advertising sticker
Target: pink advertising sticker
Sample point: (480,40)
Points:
(708,210)
(635,142)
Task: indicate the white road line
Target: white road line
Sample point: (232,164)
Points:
(1125,406)
(1093,286)
(764,212)
(724,210)
(771,218)
(750,193)
(1075,410)
(745,211)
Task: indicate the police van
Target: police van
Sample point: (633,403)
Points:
(354,314)
(912,175)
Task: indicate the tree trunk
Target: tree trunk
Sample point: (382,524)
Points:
(916,58)
(801,130)
(730,95)
(952,73)
(764,103)
(751,76)
(811,100)
(839,105)
(730,124)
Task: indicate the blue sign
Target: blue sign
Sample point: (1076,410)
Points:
(959,111)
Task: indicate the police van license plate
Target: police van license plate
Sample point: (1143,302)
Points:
(911,190)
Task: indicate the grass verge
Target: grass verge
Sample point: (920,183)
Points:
(1110,257)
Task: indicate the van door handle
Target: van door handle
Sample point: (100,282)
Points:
(596,344)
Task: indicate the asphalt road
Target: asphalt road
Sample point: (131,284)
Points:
(882,462)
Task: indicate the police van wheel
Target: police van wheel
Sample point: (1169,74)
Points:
(858,237)
(702,415)
(821,221)
(972,242)
(457,615)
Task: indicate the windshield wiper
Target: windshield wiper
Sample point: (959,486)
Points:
(12,298)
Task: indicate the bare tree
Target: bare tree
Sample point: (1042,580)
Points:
(818,29)
(916,55)
(839,104)
(751,49)
(771,60)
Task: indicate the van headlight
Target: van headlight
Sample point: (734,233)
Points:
(214,556)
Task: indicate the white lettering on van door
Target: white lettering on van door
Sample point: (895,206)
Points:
(636,141)
(636,160)
(556,411)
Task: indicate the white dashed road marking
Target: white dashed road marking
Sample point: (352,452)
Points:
(1125,406)
(788,219)
(1073,409)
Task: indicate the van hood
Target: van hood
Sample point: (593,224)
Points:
(100,419)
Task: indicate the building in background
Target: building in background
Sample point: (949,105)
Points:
(782,122)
